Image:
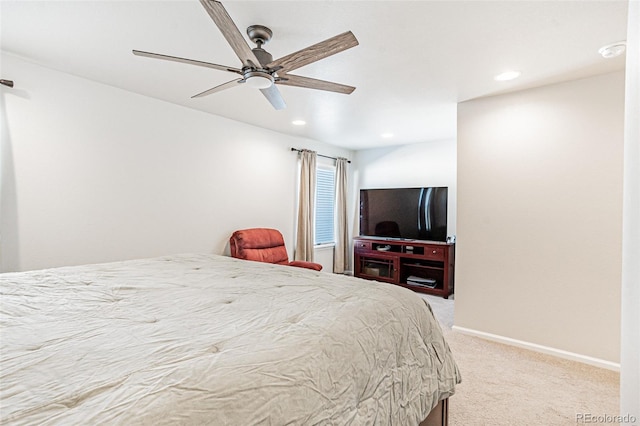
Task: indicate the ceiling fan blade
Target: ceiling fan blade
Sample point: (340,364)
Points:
(273,95)
(186,61)
(312,83)
(223,86)
(230,31)
(316,52)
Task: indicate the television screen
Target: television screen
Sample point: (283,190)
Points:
(406,213)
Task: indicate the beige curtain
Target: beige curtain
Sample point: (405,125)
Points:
(341,251)
(306,206)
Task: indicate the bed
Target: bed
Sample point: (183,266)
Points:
(207,339)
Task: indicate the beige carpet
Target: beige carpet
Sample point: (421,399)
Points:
(505,385)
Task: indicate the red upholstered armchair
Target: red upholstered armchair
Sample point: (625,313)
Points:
(264,245)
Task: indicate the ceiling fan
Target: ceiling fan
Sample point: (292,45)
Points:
(259,70)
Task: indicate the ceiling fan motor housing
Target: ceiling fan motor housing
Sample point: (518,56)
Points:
(263,56)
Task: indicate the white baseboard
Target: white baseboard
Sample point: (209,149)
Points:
(542,349)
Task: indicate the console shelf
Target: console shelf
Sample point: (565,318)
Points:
(394,261)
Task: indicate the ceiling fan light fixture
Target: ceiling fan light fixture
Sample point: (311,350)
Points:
(258,80)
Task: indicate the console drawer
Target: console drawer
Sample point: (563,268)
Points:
(362,245)
(434,253)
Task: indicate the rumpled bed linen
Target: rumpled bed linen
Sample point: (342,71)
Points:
(206,339)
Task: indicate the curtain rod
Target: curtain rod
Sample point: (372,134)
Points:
(320,155)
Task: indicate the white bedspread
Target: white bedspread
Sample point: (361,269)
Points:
(205,339)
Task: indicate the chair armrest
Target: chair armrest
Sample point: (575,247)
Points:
(308,265)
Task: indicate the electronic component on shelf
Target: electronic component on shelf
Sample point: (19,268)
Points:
(422,282)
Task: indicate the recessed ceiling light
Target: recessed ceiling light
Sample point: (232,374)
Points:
(298,122)
(507,75)
(386,135)
(613,50)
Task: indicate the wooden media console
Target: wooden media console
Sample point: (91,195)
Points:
(422,266)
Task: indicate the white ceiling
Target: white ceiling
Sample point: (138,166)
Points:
(415,61)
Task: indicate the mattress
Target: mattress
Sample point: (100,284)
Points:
(207,339)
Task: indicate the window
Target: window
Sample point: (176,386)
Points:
(325,203)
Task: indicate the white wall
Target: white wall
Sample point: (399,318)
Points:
(539,216)
(630,349)
(414,165)
(92,173)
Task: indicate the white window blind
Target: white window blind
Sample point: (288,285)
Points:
(325,204)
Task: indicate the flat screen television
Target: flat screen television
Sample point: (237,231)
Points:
(404,213)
